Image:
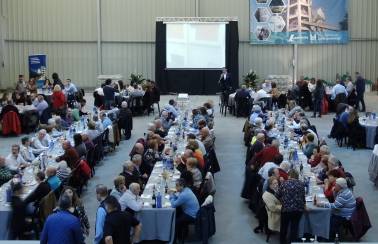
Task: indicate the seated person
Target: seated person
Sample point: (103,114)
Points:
(191,165)
(197,116)
(207,139)
(40,104)
(316,158)
(306,130)
(98,124)
(166,121)
(139,169)
(272,204)
(193,145)
(309,145)
(130,200)
(5,173)
(42,141)
(128,174)
(87,142)
(69,89)
(329,184)
(14,160)
(63,172)
(260,94)
(26,151)
(201,147)
(105,120)
(242,93)
(39,192)
(119,187)
(256,112)
(342,208)
(159,128)
(80,146)
(171,109)
(70,155)
(53,180)
(187,201)
(91,132)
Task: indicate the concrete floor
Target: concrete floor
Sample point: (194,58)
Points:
(234,220)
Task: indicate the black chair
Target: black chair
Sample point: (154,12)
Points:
(243,106)
(29,121)
(91,160)
(45,116)
(136,105)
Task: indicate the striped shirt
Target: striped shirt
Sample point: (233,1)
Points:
(344,204)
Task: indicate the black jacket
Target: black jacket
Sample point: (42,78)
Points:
(125,119)
(205,226)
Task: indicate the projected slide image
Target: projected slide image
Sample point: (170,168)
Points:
(195,45)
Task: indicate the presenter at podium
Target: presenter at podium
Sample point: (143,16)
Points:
(225,81)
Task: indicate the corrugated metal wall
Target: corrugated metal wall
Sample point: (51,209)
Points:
(66,32)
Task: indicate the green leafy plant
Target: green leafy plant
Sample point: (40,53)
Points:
(136,79)
(250,79)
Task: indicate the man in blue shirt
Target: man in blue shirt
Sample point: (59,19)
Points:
(338,89)
(40,104)
(105,120)
(62,226)
(171,109)
(101,194)
(360,89)
(188,203)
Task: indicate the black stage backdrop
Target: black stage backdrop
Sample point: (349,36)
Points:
(195,81)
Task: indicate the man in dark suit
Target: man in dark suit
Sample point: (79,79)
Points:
(225,80)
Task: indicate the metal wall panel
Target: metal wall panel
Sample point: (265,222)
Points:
(127,58)
(134,20)
(265,60)
(221,8)
(76,61)
(326,61)
(67,30)
(53,20)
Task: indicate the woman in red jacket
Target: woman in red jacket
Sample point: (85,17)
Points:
(329,184)
(58,99)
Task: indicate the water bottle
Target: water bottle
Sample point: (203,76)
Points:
(158,200)
(153,197)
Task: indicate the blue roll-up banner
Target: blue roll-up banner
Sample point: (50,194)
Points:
(37,65)
(299,21)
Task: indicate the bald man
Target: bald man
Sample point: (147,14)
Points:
(207,139)
(70,155)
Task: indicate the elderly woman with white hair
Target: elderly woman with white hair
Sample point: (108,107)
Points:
(125,120)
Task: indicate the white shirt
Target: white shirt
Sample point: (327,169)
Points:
(130,200)
(13,163)
(201,147)
(338,89)
(349,87)
(260,94)
(267,87)
(264,170)
(27,153)
(42,144)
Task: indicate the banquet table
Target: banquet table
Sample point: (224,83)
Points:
(29,184)
(371,128)
(159,223)
(373,166)
(315,220)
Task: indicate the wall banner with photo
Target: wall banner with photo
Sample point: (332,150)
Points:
(299,21)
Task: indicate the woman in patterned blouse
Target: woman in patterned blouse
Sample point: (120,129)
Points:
(77,209)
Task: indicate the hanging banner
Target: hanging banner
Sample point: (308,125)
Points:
(37,65)
(299,21)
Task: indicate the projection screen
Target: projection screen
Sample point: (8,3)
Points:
(196,45)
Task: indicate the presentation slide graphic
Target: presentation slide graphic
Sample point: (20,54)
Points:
(299,22)
(196,45)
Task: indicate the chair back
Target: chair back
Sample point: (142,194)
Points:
(46,206)
(11,123)
(205,222)
(360,221)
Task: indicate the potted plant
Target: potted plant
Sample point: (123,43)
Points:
(136,79)
(250,79)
